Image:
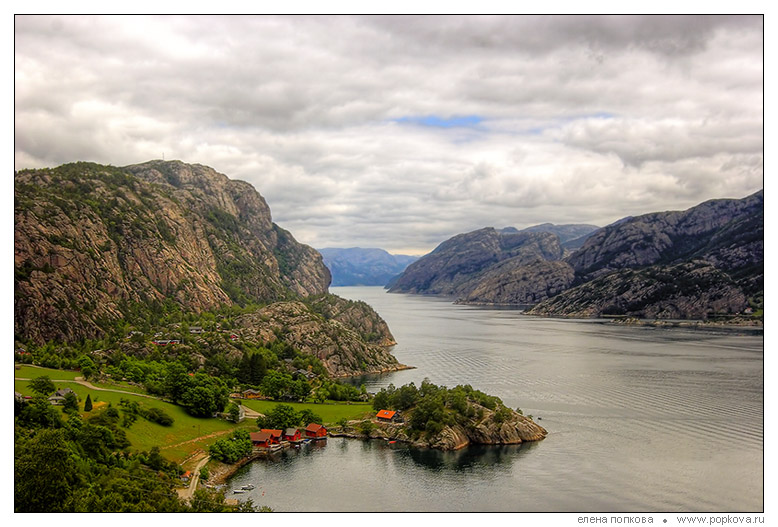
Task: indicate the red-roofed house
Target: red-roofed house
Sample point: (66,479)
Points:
(261,439)
(315,431)
(292,434)
(387,416)
(275,435)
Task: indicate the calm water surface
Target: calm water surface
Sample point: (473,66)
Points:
(639,420)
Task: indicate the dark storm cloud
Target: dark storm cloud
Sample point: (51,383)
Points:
(356,129)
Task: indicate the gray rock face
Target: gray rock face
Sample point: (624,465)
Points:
(334,339)
(691,290)
(707,260)
(730,231)
(498,265)
(92,241)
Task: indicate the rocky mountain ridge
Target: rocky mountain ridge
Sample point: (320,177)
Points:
(479,261)
(97,246)
(707,260)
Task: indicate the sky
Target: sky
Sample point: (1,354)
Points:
(399,132)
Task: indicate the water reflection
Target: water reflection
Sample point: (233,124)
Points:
(466,458)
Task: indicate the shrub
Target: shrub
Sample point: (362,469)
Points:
(157,415)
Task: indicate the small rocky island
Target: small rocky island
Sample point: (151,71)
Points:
(438,417)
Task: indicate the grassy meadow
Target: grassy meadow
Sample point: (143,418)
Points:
(187,433)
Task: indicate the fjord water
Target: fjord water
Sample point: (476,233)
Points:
(640,420)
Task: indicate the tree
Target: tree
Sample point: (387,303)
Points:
(307,417)
(199,401)
(281,417)
(159,416)
(40,413)
(44,473)
(70,404)
(43,385)
(88,403)
(88,367)
(234,412)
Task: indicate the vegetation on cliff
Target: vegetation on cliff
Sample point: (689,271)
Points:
(94,244)
(103,252)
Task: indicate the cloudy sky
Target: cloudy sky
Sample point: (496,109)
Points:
(400,132)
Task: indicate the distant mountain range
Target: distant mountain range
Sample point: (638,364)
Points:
(705,261)
(358,266)
(571,236)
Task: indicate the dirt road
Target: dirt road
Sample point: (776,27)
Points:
(186,493)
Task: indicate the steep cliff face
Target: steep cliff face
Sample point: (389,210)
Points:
(707,260)
(728,231)
(334,339)
(691,290)
(488,266)
(92,243)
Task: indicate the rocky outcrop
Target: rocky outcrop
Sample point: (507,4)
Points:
(693,264)
(94,244)
(484,430)
(331,338)
(725,232)
(369,267)
(692,290)
(356,315)
(525,284)
(701,262)
(498,265)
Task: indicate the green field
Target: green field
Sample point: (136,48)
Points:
(330,412)
(188,433)
(30,372)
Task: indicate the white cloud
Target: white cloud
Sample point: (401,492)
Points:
(582,119)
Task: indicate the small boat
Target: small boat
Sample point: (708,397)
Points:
(238,491)
(247,487)
(390,442)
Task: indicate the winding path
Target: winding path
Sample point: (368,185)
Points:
(186,493)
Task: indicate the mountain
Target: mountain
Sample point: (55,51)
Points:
(490,266)
(704,261)
(571,236)
(357,266)
(97,246)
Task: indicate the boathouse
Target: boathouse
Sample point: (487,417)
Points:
(292,435)
(315,431)
(275,435)
(261,439)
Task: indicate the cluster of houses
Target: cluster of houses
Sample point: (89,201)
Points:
(274,439)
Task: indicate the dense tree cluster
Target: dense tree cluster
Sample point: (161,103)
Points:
(284,416)
(63,463)
(231,449)
(432,407)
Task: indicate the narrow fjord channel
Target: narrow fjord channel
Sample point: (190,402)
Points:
(640,419)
